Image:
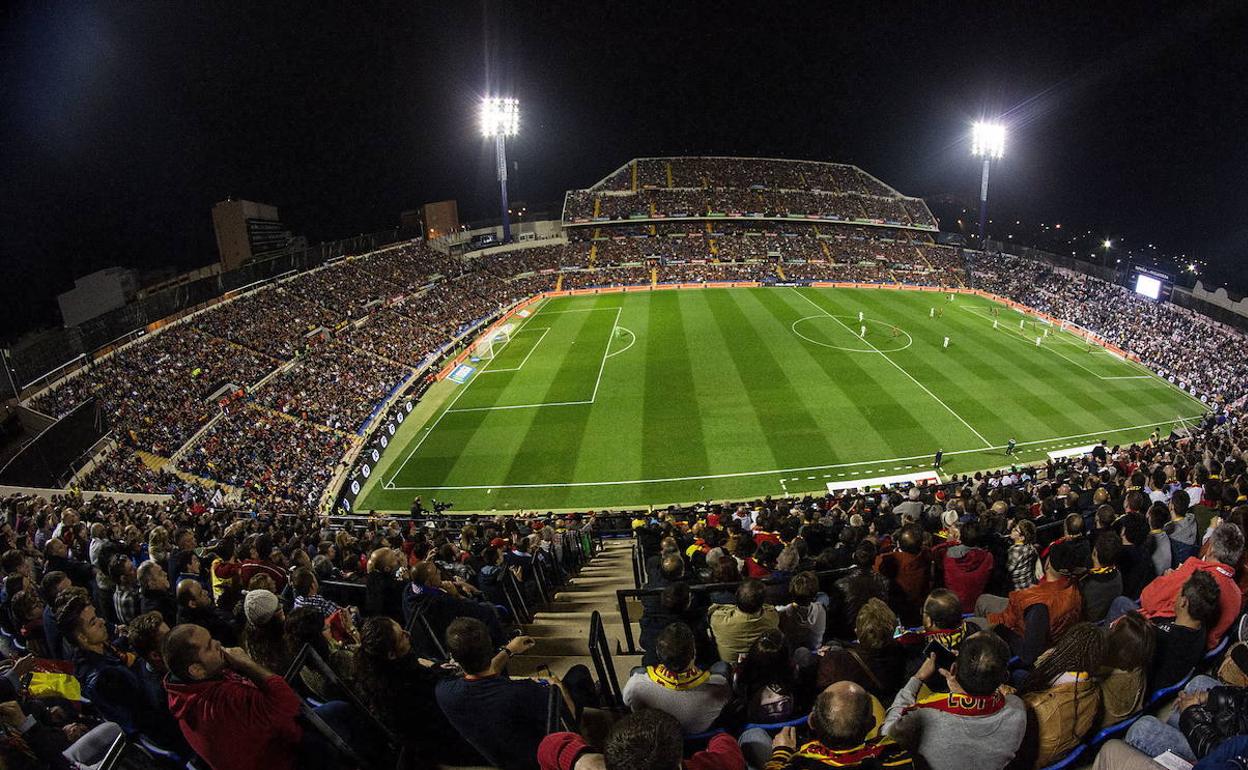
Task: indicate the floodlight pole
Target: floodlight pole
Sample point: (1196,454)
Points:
(983,202)
(500,158)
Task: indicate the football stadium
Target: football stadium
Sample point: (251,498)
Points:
(776,447)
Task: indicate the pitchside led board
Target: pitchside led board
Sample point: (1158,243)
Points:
(1151,283)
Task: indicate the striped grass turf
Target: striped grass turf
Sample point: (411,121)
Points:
(675,396)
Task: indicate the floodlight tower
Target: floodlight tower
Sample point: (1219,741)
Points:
(500,118)
(987,142)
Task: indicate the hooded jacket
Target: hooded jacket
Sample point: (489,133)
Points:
(237,724)
(967,571)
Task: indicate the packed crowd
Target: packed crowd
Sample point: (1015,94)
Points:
(1002,618)
(770,173)
(154,389)
(179,627)
(1196,350)
(313,389)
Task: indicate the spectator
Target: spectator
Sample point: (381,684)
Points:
(1029,619)
(264,636)
(1123,678)
(1181,640)
(908,572)
(677,686)
(766,682)
(237,714)
(502,718)
(154,588)
(736,626)
(645,740)
(973,713)
(1022,555)
(127,600)
(804,620)
(1062,696)
(841,721)
(308,593)
(1103,583)
(874,661)
(967,566)
(1181,529)
(195,606)
(1226,546)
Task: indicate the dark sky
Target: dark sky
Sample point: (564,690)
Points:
(122,123)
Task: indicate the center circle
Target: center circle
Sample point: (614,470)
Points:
(840,332)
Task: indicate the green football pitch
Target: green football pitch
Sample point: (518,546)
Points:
(666,396)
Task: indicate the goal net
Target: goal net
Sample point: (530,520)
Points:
(493,342)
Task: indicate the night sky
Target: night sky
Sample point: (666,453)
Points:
(122,123)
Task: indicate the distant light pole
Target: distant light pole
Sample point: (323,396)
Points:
(987,142)
(500,118)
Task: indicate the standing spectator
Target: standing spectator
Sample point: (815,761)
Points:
(1021,563)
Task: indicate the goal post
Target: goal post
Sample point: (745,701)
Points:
(489,345)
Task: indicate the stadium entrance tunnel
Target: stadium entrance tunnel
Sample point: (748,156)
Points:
(841,332)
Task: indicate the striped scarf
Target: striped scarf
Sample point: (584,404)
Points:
(677,680)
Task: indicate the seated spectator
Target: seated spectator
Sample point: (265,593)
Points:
(908,571)
(56,557)
(677,686)
(54,583)
(736,626)
(1031,618)
(398,687)
(146,634)
(676,605)
(1135,561)
(766,682)
(36,736)
(1022,555)
(841,721)
(1226,546)
(854,590)
(1123,678)
(1160,551)
(127,599)
(1181,529)
(239,715)
(973,713)
(804,620)
(155,594)
(114,680)
(305,626)
(1103,583)
(645,740)
(444,600)
(264,635)
(1062,696)
(502,718)
(1181,639)
(942,624)
(1206,714)
(875,660)
(195,606)
(967,566)
(308,593)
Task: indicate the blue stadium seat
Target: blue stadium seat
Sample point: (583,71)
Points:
(1219,649)
(1070,759)
(1113,731)
(777,726)
(1167,692)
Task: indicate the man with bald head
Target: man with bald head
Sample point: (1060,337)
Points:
(840,721)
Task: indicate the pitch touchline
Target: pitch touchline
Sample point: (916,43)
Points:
(1105,432)
(898,366)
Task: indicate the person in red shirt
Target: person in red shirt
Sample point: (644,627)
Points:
(908,570)
(1226,545)
(237,714)
(646,740)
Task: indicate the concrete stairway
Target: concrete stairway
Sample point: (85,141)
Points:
(562,630)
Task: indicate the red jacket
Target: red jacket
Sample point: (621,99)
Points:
(910,571)
(559,751)
(1157,599)
(966,573)
(1062,596)
(235,724)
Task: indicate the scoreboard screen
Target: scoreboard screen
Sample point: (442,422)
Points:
(1148,286)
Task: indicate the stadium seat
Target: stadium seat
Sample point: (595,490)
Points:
(1070,760)
(777,726)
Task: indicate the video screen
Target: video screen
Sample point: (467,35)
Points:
(1148,286)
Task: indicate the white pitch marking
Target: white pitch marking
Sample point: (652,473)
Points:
(899,368)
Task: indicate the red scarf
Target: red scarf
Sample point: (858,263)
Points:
(960,704)
(846,757)
(677,680)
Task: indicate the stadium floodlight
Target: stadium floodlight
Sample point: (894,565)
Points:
(987,142)
(500,118)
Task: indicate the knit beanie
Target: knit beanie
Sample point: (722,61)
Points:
(260,606)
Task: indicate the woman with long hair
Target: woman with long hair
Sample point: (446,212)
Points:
(307,625)
(1123,678)
(1062,695)
(398,687)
